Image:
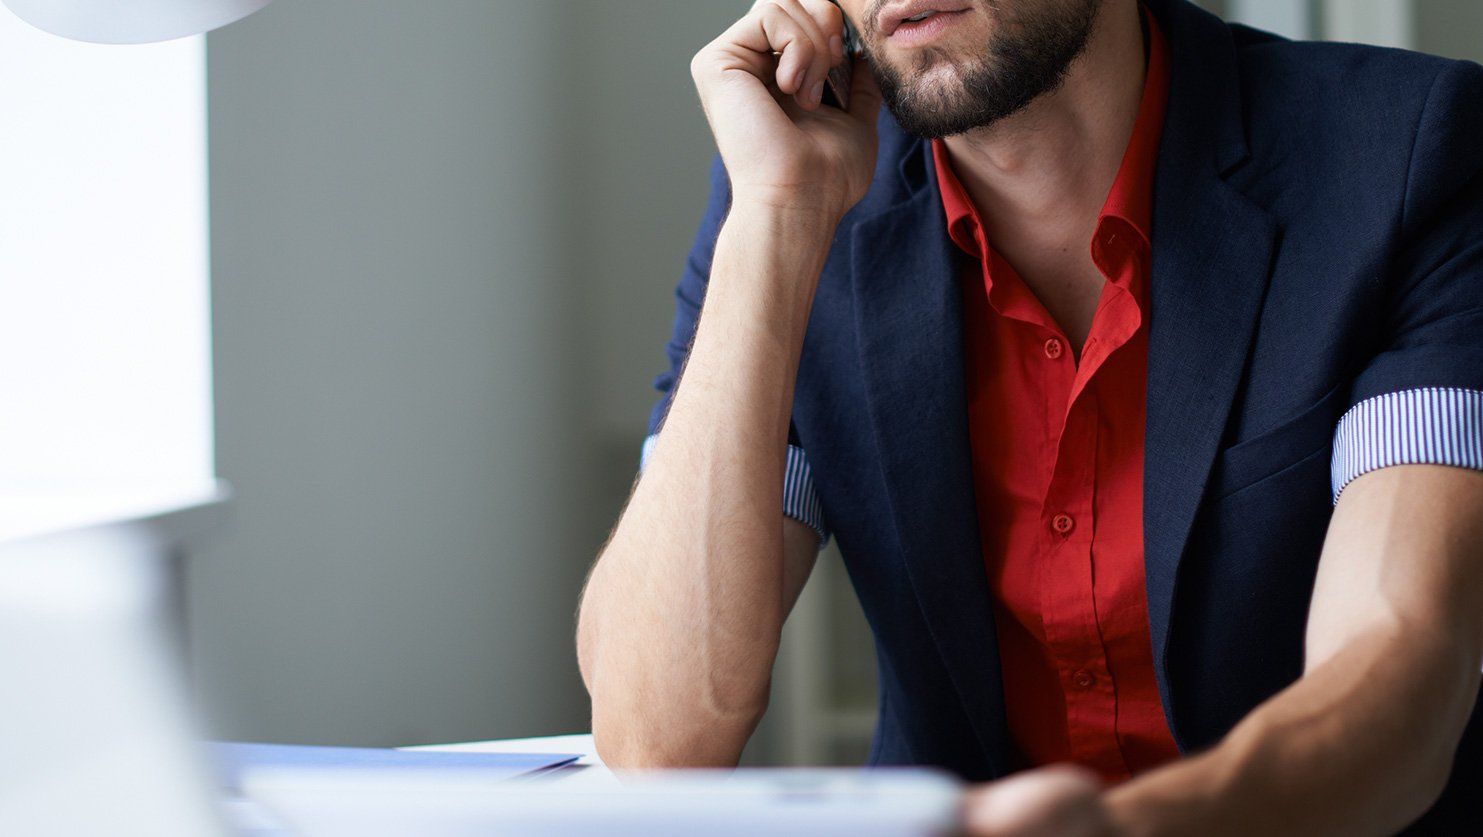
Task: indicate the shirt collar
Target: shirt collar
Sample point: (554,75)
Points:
(1131,198)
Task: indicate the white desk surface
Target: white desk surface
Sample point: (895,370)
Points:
(587,772)
(914,805)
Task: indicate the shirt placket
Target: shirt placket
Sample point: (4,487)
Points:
(1071,629)
(1068,529)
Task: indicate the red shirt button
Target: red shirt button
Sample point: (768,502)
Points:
(1083,679)
(1063,523)
(1053,348)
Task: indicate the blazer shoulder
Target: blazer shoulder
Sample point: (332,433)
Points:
(1359,112)
(1269,56)
(1348,83)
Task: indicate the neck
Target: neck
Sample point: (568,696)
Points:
(1047,169)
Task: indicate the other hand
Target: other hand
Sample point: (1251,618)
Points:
(1060,801)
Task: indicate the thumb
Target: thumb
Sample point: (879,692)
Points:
(865,94)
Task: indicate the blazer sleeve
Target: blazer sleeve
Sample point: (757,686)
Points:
(1419,397)
(800,500)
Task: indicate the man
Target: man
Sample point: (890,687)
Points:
(1136,363)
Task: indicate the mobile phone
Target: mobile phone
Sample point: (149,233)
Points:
(837,84)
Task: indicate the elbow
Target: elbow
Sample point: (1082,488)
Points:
(628,738)
(586,642)
(1429,770)
(1422,781)
(588,627)
(1437,731)
(1433,734)
(663,697)
(646,719)
(667,720)
(1430,783)
(585,651)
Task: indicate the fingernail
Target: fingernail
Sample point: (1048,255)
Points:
(836,45)
(817,92)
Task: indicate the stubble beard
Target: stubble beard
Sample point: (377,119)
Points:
(940,96)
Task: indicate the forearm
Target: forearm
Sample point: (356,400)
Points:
(680,622)
(1360,745)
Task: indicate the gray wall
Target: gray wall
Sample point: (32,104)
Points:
(645,157)
(444,236)
(1453,28)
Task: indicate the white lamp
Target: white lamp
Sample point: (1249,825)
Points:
(131,21)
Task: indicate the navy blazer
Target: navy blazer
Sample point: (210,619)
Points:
(1317,240)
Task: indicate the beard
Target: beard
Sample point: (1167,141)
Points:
(1025,58)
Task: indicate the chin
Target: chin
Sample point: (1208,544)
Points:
(936,76)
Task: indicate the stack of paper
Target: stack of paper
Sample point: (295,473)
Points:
(238,762)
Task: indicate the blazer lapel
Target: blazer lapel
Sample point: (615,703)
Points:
(1212,257)
(909,324)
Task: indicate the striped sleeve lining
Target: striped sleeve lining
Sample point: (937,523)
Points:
(1430,426)
(800,500)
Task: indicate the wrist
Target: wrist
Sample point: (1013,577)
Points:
(796,208)
(767,264)
(1196,794)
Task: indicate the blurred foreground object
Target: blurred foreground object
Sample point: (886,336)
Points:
(131,21)
(789,802)
(94,721)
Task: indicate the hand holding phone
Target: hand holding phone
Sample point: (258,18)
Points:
(763,83)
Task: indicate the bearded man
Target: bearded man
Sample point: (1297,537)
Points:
(1135,362)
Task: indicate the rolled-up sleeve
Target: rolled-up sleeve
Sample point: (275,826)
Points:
(1419,397)
(1429,426)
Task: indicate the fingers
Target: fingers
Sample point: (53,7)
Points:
(1058,801)
(823,21)
(804,34)
(797,50)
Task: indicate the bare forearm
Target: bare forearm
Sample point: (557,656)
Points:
(1360,745)
(680,622)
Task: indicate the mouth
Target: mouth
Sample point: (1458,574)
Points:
(919,16)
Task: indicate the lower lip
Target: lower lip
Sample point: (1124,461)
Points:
(910,34)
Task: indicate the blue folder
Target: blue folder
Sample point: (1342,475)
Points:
(235,759)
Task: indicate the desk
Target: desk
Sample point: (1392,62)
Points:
(586,798)
(587,773)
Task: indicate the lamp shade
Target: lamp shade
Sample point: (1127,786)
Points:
(131,21)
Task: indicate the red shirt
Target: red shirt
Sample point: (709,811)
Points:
(1058,476)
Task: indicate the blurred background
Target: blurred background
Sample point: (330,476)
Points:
(443,237)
